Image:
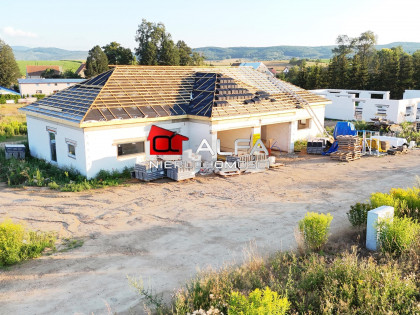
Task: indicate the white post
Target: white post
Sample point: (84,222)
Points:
(374,217)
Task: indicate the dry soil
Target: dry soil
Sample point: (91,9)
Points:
(165,231)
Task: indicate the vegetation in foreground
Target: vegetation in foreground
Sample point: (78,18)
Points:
(10,129)
(339,277)
(36,172)
(18,243)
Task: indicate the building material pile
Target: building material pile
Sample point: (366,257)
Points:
(316,146)
(146,172)
(178,172)
(249,162)
(349,149)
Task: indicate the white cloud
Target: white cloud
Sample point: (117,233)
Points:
(8,30)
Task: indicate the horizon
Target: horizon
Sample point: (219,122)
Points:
(233,24)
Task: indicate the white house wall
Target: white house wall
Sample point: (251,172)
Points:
(344,104)
(101,153)
(39,143)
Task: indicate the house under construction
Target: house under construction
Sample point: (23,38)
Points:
(104,122)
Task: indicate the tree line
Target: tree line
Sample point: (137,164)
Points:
(356,64)
(155,47)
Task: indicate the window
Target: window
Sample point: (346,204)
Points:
(38,92)
(303,124)
(71,150)
(55,84)
(53,147)
(377,96)
(130,148)
(356,95)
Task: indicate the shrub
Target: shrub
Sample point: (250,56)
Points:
(406,202)
(17,244)
(397,236)
(315,229)
(358,214)
(258,302)
(300,145)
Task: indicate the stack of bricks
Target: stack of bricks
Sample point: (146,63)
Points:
(349,149)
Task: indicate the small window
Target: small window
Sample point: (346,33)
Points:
(356,95)
(55,84)
(377,96)
(303,124)
(131,148)
(71,150)
(38,92)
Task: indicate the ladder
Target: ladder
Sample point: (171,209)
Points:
(285,88)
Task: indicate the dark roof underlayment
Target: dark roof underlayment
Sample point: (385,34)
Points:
(130,92)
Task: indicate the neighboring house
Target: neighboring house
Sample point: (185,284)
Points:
(104,122)
(368,105)
(45,86)
(273,71)
(286,70)
(81,70)
(259,66)
(4,91)
(35,72)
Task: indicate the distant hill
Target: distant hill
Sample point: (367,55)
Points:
(285,52)
(211,53)
(47,53)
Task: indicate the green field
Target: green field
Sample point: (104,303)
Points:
(65,64)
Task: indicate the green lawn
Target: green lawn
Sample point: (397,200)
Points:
(65,64)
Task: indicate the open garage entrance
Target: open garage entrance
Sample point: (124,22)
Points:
(279,135)
(227,138)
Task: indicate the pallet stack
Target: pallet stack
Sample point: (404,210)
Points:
(146,172)
(349,149)
(177,172)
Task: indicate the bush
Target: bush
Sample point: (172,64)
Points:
(312,284)
(17,244)
(315,229)
(398,236)
(36,172)
(300,145)
(406,202)
(259,302)
(358,214)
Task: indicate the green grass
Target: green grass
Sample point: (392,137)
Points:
(72,65)
(36,172)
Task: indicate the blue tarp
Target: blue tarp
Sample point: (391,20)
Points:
(342,128)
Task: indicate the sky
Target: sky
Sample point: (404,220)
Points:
(82,24)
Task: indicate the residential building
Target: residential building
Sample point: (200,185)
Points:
(81,70)
(35,72)
(104,122)
(45,86)
(368,105)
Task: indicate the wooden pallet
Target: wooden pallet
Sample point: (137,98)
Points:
(228,173)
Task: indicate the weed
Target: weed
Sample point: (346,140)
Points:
(358,214)
(17,244)
(315,229)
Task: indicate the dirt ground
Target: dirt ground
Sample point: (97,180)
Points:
(165,231)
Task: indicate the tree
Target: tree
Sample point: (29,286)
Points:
(148,37)
(365,45)
(118,55)
(51,74)
(185,53)
(405,75)
(168,53)
(197,59)
(96,62)
(9,70)
(416,66)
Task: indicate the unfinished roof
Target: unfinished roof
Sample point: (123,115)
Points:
(144,92)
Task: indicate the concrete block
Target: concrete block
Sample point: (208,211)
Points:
(374,217)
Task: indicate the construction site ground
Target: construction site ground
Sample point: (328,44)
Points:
(164,231)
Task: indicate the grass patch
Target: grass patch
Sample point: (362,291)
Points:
(71,243)
(341,280)
(37,172)
(18,244)
(72,65)
(11,129)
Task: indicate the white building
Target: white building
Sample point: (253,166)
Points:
(104,122)
(368,105)
(45,86)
